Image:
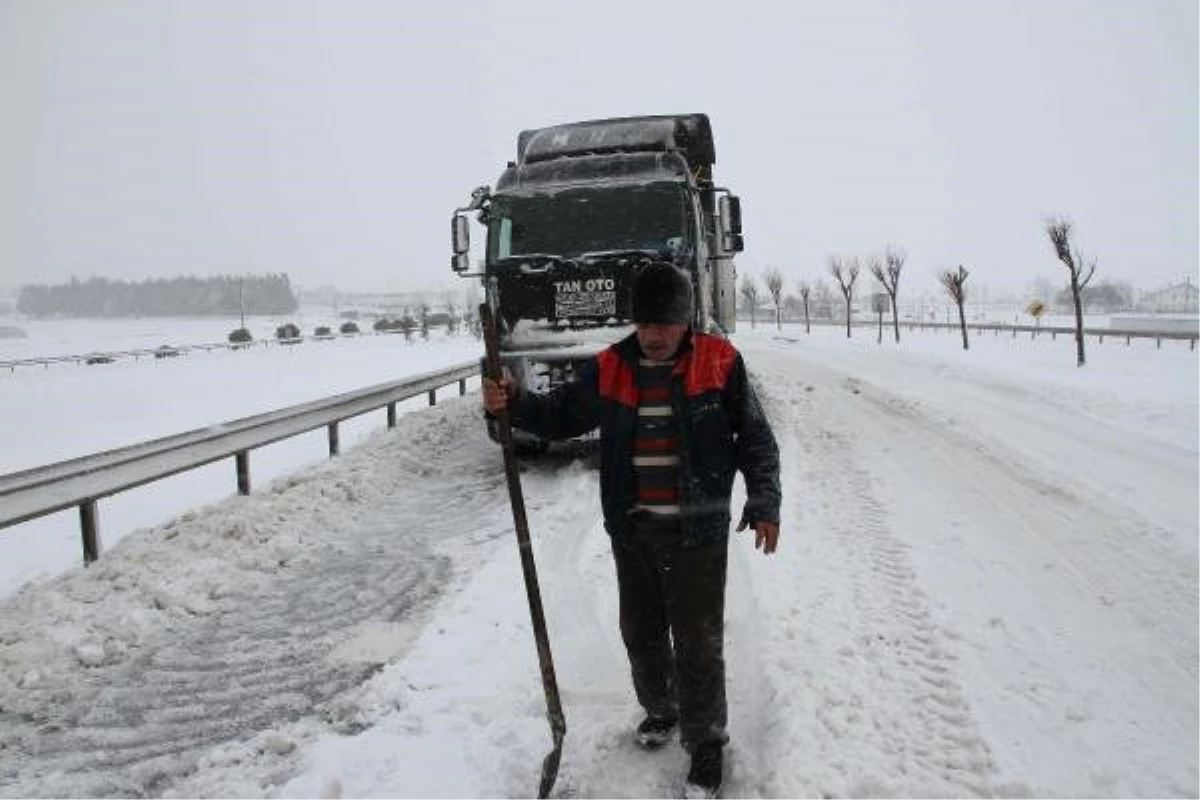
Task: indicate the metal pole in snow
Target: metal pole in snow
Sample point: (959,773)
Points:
(558,723)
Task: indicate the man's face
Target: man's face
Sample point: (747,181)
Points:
(659,341)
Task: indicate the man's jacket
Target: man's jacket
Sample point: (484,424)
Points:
(721,426)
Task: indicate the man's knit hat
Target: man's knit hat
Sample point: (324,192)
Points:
(662,293)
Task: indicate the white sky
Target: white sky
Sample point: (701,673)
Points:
(331,140)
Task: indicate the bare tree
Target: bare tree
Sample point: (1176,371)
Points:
(423,319)
(955,282)
(805,291)
(774,281)
(887,272)
(750,296)
(845,272)
(1059,231)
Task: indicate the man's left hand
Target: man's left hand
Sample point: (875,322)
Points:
(766,535)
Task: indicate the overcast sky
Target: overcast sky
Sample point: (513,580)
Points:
(331,139)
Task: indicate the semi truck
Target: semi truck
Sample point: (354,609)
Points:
(572,219)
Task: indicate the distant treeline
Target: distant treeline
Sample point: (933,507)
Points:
(224,295)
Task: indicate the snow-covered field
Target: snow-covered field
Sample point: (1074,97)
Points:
(986,585)
(69,410)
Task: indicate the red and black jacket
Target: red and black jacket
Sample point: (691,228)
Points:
(722,429)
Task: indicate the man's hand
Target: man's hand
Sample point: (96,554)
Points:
(766,535)
(496,396)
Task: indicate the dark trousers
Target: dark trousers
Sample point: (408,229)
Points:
(673,622)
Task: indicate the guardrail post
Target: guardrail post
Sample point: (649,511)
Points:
(433,397)
(87,526)
(462,387)
(391,415)
(333,439)
(242,458)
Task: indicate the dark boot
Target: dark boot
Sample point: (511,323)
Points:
(704,778)
(654,732)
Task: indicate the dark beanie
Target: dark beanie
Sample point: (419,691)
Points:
(662,293)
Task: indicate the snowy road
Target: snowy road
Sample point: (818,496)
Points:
(986,586)
(989,609)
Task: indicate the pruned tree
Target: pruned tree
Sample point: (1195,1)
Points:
(845,272)
(406,324)
(774,281)
(879,304)
(955,282)
(887,272)
(1059,231)
(423,319)
(749,292)
(805,291)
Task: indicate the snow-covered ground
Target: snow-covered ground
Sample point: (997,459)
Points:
(986,585)
(69,410)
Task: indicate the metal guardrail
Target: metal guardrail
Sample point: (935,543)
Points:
(171,351)
(1034,330)
(1003,327)
(82,481)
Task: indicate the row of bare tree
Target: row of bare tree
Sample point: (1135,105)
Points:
(887,267)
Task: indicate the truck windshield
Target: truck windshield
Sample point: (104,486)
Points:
(580,221)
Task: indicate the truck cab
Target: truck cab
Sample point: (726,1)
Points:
(570,222)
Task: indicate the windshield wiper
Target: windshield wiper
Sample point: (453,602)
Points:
(643,252)
(529,257)
(532,262)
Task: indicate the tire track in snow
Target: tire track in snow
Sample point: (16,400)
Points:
(853,638)
(1107,580)
(1104,543)
(276,653)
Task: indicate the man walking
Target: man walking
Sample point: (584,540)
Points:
(677,418)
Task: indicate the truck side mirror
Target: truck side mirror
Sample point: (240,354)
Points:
(730,213)
(460,234)
(460,240)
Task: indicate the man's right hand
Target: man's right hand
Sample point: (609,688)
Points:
(496,396)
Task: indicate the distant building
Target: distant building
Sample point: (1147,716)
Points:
(1178,298)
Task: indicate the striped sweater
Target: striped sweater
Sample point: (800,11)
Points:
(656,441)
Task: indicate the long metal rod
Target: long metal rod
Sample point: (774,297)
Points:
(558,722)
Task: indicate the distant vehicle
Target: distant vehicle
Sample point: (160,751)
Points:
(573,218)
(240,337)
(288,333)
(99,358)
(166,351)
